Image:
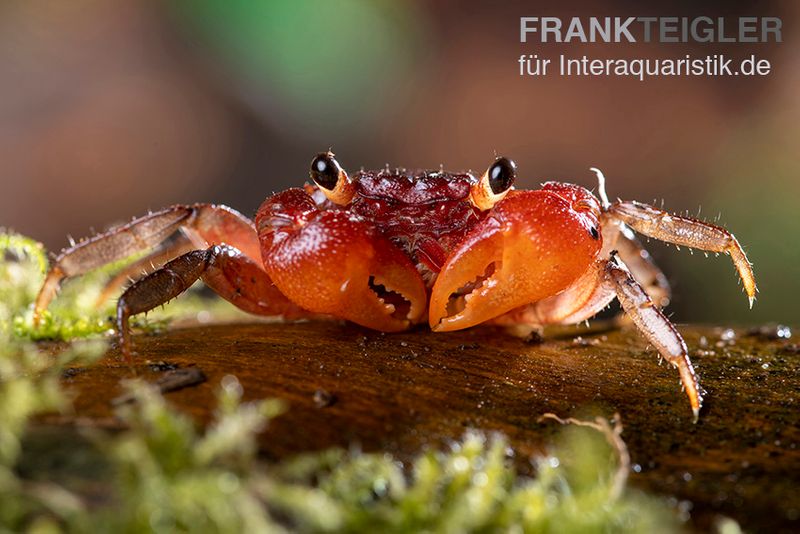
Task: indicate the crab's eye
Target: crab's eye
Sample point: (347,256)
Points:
(325,171)
(495,183)
(331,178)
(501,175)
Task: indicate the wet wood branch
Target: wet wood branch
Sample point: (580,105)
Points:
(401,393)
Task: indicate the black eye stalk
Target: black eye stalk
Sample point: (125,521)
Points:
(501,175)
(325,171)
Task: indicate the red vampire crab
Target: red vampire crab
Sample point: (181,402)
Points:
(389,249)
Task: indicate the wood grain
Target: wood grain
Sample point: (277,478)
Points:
(403,392)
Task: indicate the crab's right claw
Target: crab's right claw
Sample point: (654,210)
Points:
(335,263)
(532,246)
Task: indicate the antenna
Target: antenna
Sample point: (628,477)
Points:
(601,187)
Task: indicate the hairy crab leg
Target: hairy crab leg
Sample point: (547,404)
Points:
(658,224)
(228,272)
(655,327)
(102,249)
(593,291)
(204,224)
(145,266)
(638,260)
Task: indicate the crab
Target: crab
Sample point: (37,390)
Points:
(389,249)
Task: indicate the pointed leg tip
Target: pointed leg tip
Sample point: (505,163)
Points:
(751,301)
(696,414)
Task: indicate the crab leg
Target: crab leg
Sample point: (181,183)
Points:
(593,291)
(204,224)
(115,244)
(658,224)
(655,327)
(145,266)
(227,271)
(642,266)
(617,237)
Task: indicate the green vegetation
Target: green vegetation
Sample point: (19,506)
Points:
(164,474)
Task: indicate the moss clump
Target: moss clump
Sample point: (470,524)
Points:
(163,474)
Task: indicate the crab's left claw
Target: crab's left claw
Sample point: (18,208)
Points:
(333,262)
(532,245)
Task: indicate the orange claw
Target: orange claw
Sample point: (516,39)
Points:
(532,246)
(335,263)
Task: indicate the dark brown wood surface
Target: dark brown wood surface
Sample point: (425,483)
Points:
(402,392)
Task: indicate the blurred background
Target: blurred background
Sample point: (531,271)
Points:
(109,108)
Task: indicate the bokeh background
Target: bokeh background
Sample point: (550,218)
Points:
(109,108)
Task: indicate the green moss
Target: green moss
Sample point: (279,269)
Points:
(164,474)
(167,476)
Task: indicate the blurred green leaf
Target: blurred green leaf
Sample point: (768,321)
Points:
(316,65)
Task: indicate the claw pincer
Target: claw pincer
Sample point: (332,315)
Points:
(532,245)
